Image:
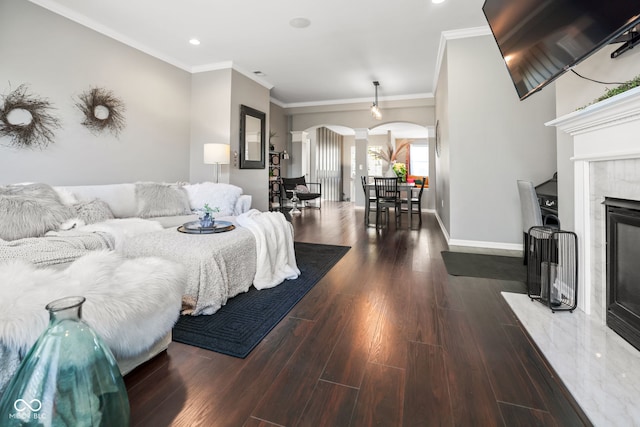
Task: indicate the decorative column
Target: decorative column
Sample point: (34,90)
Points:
(362,143)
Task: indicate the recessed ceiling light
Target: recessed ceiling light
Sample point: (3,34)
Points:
(194,42)
(259,73)
(437,1)
(299,22)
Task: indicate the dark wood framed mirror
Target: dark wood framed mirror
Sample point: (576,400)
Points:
(252,138)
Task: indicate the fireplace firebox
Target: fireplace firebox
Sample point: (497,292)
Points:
(623,268)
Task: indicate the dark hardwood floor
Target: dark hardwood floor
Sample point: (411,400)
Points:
(387,338)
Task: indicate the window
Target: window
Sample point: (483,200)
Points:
(419,155)
(353,161)
(375,164)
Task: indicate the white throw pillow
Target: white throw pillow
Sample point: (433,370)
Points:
(222,196)
(156,200)
(66,196)
(30,211)
(93,211)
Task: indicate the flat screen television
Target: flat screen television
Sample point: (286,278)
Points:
(541,39)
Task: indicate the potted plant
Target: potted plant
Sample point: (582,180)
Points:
(207,219)
(400,169)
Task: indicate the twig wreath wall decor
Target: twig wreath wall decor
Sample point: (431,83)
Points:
(102,111)
(27,119)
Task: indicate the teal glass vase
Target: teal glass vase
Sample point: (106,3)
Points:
(68,378)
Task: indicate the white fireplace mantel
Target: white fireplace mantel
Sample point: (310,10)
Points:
(610,112)
(606,131)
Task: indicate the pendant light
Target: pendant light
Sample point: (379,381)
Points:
(375,109)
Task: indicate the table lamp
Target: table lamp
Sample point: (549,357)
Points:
(216,154)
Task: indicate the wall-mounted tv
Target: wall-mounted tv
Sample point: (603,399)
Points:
(540,39)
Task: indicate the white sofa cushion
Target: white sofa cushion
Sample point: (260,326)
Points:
(222,196)
(121,198)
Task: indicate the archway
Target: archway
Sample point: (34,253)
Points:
(315,161)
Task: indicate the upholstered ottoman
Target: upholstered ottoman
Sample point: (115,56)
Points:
(218,266)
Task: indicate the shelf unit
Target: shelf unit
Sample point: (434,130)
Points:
(275,161)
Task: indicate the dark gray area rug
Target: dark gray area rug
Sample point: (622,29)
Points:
(486,266)
(247,318)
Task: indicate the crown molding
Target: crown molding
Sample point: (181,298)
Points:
(428,96)
(106,31)
(453,35)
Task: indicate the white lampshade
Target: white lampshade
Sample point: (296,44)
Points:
(216,154)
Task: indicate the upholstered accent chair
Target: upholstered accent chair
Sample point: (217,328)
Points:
(305,191)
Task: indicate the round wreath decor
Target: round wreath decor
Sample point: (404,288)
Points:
(102,111)
(37,128)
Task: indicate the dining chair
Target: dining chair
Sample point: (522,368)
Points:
(387,196)
(414,201)
(370,200)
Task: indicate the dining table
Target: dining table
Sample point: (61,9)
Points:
(403,187)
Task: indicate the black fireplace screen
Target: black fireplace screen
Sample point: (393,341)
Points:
(552,268)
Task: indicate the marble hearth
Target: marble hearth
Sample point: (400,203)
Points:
(601,370)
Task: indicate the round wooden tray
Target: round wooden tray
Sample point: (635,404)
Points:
(193,227)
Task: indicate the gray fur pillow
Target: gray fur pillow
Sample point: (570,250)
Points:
(93,211)
(38,190)
(155,200)
(30,211)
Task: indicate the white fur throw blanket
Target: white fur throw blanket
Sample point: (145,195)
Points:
(130,303)
(55,247)
(276,258)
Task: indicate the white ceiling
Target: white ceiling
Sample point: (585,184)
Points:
(349,43)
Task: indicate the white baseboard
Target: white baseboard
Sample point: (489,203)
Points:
(477,243)
(486,245)
(442,227)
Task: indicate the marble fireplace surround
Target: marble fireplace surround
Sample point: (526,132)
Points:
(606,140)
(598,367)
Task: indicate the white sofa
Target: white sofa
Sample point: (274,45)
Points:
(123,202)
(96,207)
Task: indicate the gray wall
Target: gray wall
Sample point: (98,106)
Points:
(59,59)
(573,92)
(279,123)
(210,121)
(492,139)
(245,91)
(440,186)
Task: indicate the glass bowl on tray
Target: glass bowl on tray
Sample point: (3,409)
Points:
(194,227)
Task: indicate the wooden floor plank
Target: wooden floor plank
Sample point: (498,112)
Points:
(472,397)
(169,386)
(488,313)
(253,422)
(330,405)
(239,396)
(381,397)
(348,360)
(518,416)
(289,393)
(427,401)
